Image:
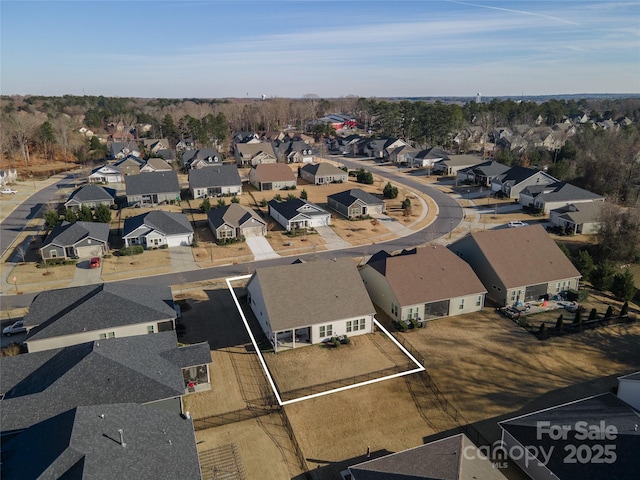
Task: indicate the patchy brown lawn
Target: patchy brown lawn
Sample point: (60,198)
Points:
(28,273)
(151,262)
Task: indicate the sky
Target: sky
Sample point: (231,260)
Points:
(292,48)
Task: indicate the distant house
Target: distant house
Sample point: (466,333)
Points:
(129,165)
(193,159)
(427,158)
(323,174)
(90,196)
(556,195)
(578,218)
(154,145)
(629,389)
(85,440)
(235,221)
(168,155)
(122,149)
(602,421)
(379,148)
(454,163)
(298,213)
(155,165)
(277,176)
(422,284)
(144,369)
(402,155)
(482,174)
(76,240)
(70,316)
(517,265)
(516,179)
(308,303)
(355,203)
(152,188)
(450,458)
(255,153)
(215,181)
(7,176)
(295,151)
(158,228)
(105,174)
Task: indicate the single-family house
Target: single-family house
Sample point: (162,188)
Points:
(168,155)
(90,196)
(422,284)
(145,369)
(235,221)
(482,174)
(309,303)
(564,441)
(158,228)
(129,165)
(555,195)
(581,218)
(88,442)
(272,176)
(255,153)
(379,148)
(152,188)
(185,144)
(295,151)
(450,167)
(517,265)
(629,389)
(402,155)
(298,213)
(215,181)
(154,145)
(105,174)
(122,149)
(69,316)
(205,157)
(323,173)
(516,179)
(450,458)
(355,203)
(427,158)
(155,164)
(7,176)
(76,240)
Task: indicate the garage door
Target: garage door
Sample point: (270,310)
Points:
(89,251)
(252,232)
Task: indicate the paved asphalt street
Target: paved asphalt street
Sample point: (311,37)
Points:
(450,215)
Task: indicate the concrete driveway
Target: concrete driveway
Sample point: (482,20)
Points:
(85,275)
(332,239)
(182,259)
(260,248)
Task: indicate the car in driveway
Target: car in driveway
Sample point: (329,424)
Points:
(94,262)
(17,327)
(517,223)
(8,191)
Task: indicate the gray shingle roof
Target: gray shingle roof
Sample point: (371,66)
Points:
(561,192)
(431,153)
(215,176)
(190,156)
(347,197)
(40,385)
(312,293)
(323,169)
(91,193)
(67,234)
(580,213)
(290,208)
(84,442)
(234,215)
(168,223)
(487,169)
(95,307)
(152,182)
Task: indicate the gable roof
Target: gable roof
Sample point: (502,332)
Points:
(168,223)
(438,460)
(349,196)
(214,176)
(432,153)
(291,208)
(84,442)
(323,169)
(579,213)
(460,160)
(312,293)
(274,172)
(73,310)
(91,193)
(253,149)
(152,182)
(39,385)
(605,409)
(234,215)
(428,274)
(66,233)
(521,256)
(190,156)
(487,169)
(518,174)
(560,192)
(157,164)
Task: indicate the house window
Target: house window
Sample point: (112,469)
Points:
(557,287)
(461,304)
(326,330)
(362,323)
(479,301)
(150,329)
(348,326)
(513,295)
(102,336)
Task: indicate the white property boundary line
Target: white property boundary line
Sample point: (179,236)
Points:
(419,368)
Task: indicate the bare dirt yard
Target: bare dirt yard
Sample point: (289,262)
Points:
(151,262)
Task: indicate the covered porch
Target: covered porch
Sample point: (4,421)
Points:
(286,339)
(196,379)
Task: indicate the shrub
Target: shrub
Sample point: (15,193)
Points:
(132,250)
(414,323)
(291,196)
(235,199)
(364,176)
(194,242)
(277,197)
(10,350)
(205,206)
(622,285)
(542,328)
(51,218)
(609,312)
(304,195)
(594,314)
(624,310)
(164,246)
(335,341)
(602,276)
(221,203)
(559,322)
(263,202)
(406,203)
(578,318)
(390,191)
(345,340)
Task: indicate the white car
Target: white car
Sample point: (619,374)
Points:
(517,223)
(17,327)
(8,191)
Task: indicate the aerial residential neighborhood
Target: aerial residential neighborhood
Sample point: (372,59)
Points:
(208,272)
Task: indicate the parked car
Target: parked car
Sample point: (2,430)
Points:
(517,223)
(94,262)
(17,327)
(8,191)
